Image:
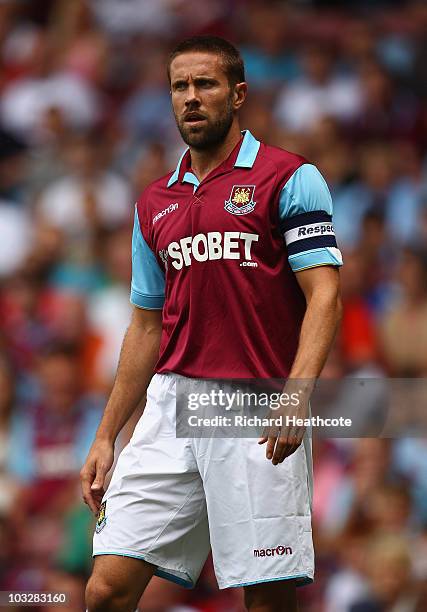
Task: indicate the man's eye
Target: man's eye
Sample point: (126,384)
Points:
(179,86)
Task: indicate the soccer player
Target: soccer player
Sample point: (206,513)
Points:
(234,276)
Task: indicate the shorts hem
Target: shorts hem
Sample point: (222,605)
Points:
(161,570)
(301,580)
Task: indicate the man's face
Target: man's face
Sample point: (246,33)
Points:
(202,100)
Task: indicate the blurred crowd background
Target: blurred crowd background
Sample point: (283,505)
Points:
(86,124)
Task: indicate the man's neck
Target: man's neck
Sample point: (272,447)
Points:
(203,162)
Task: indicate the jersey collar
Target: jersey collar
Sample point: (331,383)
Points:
(246,157)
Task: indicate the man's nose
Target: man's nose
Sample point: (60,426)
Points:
(192,96)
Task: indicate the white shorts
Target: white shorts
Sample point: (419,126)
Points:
(171,499)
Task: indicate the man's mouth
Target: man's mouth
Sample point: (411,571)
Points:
(194,118)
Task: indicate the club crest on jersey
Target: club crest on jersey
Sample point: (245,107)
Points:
(102,519)
(241,200)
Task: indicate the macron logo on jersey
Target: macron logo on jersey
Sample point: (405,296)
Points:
(166,211)
(211,246)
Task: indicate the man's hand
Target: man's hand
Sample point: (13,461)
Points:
(284,440)
(93,473)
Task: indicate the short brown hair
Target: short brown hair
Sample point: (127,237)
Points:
(233,63)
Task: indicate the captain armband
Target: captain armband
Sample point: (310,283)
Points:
(307,231)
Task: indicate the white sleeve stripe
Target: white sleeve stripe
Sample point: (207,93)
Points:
(316,257)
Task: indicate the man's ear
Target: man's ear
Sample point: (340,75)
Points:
(239,95)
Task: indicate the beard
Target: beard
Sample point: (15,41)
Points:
(211,134)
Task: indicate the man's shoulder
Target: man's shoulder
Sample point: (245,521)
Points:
(281,158)
(156,188)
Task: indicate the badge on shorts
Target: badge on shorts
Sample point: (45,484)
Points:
(241,200)
(102,519)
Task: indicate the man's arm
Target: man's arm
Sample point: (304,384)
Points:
(320,286)
(139,353)
(305,207)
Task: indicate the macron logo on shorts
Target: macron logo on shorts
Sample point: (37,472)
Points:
(270,552)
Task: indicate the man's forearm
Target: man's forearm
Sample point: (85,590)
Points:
(317,333)
(138,356)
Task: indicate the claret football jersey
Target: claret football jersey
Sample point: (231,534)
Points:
(219,258)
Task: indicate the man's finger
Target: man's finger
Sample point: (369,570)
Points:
(101,472)
(264,436)
(287,445)
(271,441)
(87,494)
(280,450)
(292,445)
(97,498)
(289,451)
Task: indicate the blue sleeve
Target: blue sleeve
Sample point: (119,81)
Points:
(305,212)
(148,280)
